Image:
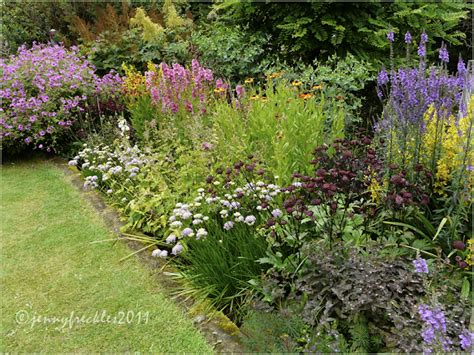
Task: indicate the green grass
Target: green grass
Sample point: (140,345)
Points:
(49,268)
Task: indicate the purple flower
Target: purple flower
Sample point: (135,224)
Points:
(391,36)
(28,140)
(422,50)
(407,37)
(42,133)
(240,90)
(443,54)
(420,265)
(466,338)
(187,232)
(206,146)
(171,239)
(382,78)
(20,127)
(424,37)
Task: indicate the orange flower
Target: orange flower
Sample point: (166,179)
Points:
(305,96)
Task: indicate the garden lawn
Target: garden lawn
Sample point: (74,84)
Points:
(50,269)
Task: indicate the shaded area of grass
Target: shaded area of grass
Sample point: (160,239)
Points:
(50,269)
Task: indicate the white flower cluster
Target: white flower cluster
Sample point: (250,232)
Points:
(107,164)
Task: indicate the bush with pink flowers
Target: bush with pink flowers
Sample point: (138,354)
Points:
(44,90)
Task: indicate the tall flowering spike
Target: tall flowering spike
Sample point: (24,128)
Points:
(407,37)
(461,67)
(422,49)
(382,78)
(424,37)
(443,54)
(391,36)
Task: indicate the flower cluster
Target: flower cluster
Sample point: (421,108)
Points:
(176,87)
(109,168)
(435,333)
(420,265)
(43,90)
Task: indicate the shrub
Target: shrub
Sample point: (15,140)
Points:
(45,88)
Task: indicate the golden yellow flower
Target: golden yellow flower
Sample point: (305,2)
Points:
(249,81)
(317,87)
(296,83)
(254,97)
(219,90)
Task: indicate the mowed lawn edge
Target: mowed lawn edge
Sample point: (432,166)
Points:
(60,293)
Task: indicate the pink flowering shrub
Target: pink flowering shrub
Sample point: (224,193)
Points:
(43,90)
(178,89)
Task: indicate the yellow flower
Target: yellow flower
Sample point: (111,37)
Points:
(317,87)
(296,83)
(249,81)
(275,75)
(305,96)
(219,90)
(254,97)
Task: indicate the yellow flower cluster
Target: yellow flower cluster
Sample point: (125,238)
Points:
(451,141)
(470,255)
(133,82)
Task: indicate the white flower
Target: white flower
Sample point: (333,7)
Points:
(171,239)
(228,225)
(198,199)
(297,184)
(216,183)
(239,219)
(124,199)
(186,214)
(109,191)
(159,253)
(250,220)
(85,165)
(201,233)
(172,219)
(259,208)
(178,248)
(276,213)
(179,205)
(198,215)
(197,221)
(205,218)
(224,212)
(201,190)
(72,163)
(176,225)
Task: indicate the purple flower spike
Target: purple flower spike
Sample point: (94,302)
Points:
(420,265)
(422,50)
(424,37)
(382,78)
(443,54)
(466,338)
(391,36)
(407,37)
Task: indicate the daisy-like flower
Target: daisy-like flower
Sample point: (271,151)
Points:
(250,220)
(201,232)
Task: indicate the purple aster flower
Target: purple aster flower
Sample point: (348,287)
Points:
(443,54)
(407,37)
(420,265)
(42,133)
(382,78)
(20,127)
(391,36)
(28,140)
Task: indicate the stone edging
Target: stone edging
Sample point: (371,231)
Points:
(218,330)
